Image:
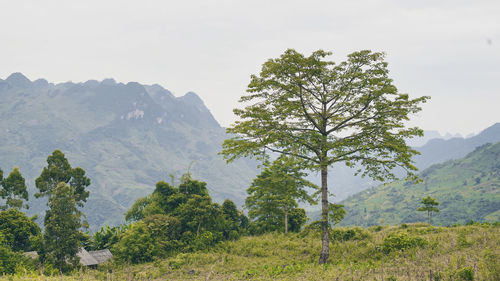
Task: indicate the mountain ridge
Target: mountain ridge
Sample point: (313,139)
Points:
(127,136)
(468,189)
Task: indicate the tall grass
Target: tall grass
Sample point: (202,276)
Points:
(406,252)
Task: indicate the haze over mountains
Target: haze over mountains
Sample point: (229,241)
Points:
(342,182)
(130,136)
(126,136)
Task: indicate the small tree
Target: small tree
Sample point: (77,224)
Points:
(62,237)
(429,206)
(275,192)
(14,190)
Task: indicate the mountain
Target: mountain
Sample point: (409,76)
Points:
(468,189)
(429,135)
(126,137)
(439,150)
(343,183)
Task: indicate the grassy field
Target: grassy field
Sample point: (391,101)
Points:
(406,252)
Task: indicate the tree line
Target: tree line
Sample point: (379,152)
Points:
(57,246)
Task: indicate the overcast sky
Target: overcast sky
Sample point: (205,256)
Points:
(449,50)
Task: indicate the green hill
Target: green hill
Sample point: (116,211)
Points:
(468,189)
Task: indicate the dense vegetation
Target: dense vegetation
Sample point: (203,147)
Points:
(405,252)
(467,189)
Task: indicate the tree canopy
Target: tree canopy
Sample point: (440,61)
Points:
(59,170)
(19,231)
(62,238)
(13,190)
(324,113)
(429,206)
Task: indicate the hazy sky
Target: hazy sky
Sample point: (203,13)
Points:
(449,50)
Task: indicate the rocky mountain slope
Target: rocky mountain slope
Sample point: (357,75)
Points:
(126,136)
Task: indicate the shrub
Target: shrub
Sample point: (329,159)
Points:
(347,234)
(465,274)
(135,246)
(401,241)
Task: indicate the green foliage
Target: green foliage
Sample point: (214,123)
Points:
(234,220)
(19,232)
(297,218)
(275,193)
(401,241)
(59,170)
(348,234)
(166,232)
(14,190)
(106,237)
(180,218)
(8,258)
(62,238)
(336,213)
(465,274)
(429,204)
(136,245)
(324,113)
(137,211)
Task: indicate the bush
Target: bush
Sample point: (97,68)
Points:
(135,246)
(400,241)
(204,241)
(348,234)
(465,274)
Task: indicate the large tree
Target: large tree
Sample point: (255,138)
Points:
(324,113)
(59,170)
(276,191)
(62,238)
(13,190)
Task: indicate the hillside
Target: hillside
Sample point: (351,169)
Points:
(342,182)
(406,252)
(126,136)
(468,189)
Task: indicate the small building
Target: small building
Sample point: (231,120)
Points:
(101,255)
(90,258)
(86,259)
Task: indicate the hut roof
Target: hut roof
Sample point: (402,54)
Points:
(85,258)
(32,254)
(101,255)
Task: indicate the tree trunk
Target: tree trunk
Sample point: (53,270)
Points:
(325,241)
(286,220)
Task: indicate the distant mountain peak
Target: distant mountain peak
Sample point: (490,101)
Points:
(192,98)
(109,81)
(18,79)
